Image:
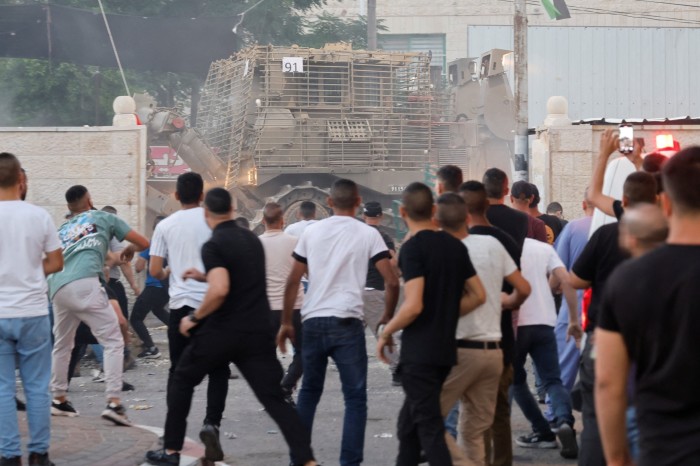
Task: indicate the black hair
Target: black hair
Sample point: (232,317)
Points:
(451,211)
(217,201)
(639,187)
(554,207)
(495,181)
(307,209)
(189,188)
(417,200)
(474,195)
(75,193)
(344,194)
(680,176)
(450,176)
(242,222)
(10,170)
(110,209)
(536,193)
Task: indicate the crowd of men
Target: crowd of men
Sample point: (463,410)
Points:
(605,317)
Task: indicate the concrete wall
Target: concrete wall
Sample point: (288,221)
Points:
(109,161)
(452,17)
(562,158)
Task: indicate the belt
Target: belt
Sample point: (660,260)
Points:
(472,344)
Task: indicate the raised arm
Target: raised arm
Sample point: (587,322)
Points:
(138,243)
(608,146)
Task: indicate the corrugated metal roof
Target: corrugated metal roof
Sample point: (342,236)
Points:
(621,72)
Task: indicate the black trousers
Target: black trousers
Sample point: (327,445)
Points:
(152,299)
(217,389)
(118,289)
(295,369)
(420,424)
(591,451)
(254,355)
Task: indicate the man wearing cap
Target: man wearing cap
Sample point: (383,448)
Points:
(521,196)
(373,296)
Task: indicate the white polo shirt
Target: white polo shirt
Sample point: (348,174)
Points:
(337,251)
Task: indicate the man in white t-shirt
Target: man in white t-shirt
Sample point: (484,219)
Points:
(25,331)
(335,252)
(179,240)
(542,267)
(279,247)
(474,380)
(305,216)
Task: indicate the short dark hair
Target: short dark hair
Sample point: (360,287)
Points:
(75,194)
(272,212)
(495,181)
(680,175)
(474,195)
(110,209)
(450,176)
(242,222)
(190,187)
(217,201)
(157,220)
(10,170)
(307,209)
(451,211)
(417,200)
(639,187)
(522,190)
(344,193)
(654,162)
(554,207)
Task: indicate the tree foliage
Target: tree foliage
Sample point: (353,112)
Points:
(35,92)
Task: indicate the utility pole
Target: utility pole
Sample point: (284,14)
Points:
(371,24)
(520,158)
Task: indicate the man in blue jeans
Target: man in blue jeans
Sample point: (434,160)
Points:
(335,252)
(25,332)
(536,321)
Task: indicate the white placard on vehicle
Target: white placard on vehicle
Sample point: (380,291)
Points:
(292,65)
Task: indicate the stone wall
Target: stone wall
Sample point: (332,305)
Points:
(109,161)
(562,158)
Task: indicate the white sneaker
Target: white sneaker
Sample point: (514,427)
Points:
(117,414)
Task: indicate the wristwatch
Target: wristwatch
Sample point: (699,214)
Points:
(193,319)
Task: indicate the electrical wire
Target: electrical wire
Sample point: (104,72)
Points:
(668,3)
(114,47)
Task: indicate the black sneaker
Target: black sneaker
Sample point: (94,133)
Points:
(11,461)
(117,414)
(40,459)
(162,458)
(567,437)
(395,378)
(289,396)
(149,353)
(537,440)
(127,387)
(63,409)
(21,405)
(209,435)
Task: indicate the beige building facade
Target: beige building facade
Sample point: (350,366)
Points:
(451,18)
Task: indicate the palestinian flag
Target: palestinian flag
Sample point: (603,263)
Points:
(556,9)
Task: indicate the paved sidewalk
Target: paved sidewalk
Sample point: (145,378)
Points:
(91,441)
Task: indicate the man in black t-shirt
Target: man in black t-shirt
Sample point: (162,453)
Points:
(440,284)
(515,224)
(649,317)
(551,221)
(234,326)
(592,269)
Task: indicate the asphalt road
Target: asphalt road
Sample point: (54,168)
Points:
(251,438)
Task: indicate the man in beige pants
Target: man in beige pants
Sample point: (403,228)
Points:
(474,380)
